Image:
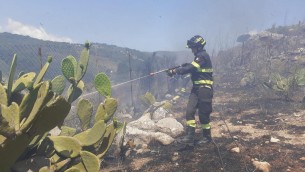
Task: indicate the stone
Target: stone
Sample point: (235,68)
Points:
(170,126)
(263,166)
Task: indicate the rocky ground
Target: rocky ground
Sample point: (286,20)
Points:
(251,133)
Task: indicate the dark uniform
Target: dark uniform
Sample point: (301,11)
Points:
(202,92)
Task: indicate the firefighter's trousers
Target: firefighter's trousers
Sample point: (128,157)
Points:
(201,99)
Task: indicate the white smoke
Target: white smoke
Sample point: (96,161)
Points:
(19,28)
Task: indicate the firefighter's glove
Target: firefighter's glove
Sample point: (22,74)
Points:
(171,72)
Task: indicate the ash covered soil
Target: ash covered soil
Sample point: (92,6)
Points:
(268,130)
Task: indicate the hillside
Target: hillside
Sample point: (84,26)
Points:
(110,59)
(103,57)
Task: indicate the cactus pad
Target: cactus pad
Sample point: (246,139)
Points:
(11,76)
(11,115)
(93,135)
(68,67)
(74,92)
(107,140)
(43,71)
(3,96)
(58,84)
(66,146)
(90,161)
(106,110)
(83,63)
(67,131)
(40,101)
(23,82)
(102,84)
(50,116)
(84,112)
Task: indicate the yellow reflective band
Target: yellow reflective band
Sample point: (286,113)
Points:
(204,82)
(205,70)
(196,65)
(191,123)
(198,39)
(206,126)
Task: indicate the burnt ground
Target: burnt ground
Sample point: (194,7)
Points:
(241,118)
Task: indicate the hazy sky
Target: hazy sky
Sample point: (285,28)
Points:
(146,25)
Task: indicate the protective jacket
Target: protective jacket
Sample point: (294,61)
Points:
(200,69)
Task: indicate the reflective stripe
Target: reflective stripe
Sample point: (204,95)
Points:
(205,70)
(198,39)
(196,65)
(207,86)
(191,123)
(204,82)
(206,126)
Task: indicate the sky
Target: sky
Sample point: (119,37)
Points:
(147,25)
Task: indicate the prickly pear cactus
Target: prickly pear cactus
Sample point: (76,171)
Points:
(68,68)
(83,62)
(102,84)
(68,147)
(58,84)
(43,71)
(74,91)
(24,125)
(106,110)
(11,76)
(67,131)
(93,135)
(23,82)
(3,96)
(84,112)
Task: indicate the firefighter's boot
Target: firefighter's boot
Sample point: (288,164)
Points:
(188,139)
(206,139)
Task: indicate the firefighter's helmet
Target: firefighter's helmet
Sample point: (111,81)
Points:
(196,42)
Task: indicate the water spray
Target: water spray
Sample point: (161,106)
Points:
(132,80)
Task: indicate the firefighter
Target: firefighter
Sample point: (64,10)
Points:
(201,94)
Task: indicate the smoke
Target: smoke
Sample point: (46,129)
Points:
(19,28)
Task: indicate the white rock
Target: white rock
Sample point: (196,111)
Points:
(145,137)
(264,166)
(144,122)
(274,140)
(170,126)
(164,138)
(160,113)
(235,150)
